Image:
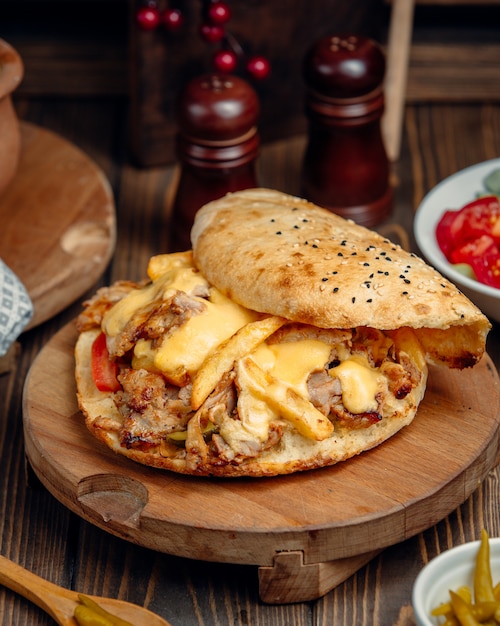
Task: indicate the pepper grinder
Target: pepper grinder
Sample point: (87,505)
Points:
(345,167)
(217,146)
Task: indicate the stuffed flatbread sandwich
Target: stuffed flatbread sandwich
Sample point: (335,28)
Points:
(287,339)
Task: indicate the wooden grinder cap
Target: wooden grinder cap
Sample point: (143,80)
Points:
(344,67)
(217,118)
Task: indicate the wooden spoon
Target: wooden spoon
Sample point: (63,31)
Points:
(60,603)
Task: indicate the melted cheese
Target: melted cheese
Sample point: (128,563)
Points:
(188,346)
(293,361)
(178,278)
(183,349)
(360,383)
(282,398)
(143,356)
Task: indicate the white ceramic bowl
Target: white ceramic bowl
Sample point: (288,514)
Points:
(453,193)
(449,570)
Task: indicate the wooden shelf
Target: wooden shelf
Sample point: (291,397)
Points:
(453,72)
(455,51)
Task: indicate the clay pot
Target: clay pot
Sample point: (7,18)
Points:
(11,74)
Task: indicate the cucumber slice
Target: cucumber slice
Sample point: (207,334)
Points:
(492,182)
(465,269)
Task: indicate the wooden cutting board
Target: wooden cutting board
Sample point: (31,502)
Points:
(57,222)
(308,531)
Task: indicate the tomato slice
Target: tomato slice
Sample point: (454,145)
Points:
(479,247)
(481,217)
(487,269)
(444,235)
(477,218)
(104,370)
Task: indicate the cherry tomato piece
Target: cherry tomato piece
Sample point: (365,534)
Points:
(480,217)
(477,218)
(444,234)
(479,247)
(487,269)
(471,237)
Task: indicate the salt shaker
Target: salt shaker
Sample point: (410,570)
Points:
(217,146)
(345,166)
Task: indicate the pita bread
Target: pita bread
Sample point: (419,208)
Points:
(293,454)
(283,255)
(323,332)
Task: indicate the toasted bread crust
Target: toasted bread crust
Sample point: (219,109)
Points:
(284,256)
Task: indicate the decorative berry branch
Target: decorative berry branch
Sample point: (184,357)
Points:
(215,15)
(148,16)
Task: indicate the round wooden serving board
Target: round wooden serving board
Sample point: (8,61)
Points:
(307,531)
(57,222)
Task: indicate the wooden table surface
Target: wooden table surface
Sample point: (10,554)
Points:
(39,533)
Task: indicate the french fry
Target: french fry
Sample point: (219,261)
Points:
(291,406)
(224,357)
(162,263)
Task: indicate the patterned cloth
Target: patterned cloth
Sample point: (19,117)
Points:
(16,308)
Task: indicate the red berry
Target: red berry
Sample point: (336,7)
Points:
(211,32)
(172,19)
(148,18)
(219,12)
(224,61)
(259,67)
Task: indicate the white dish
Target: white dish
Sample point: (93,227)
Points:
(449,570)
(453,193)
